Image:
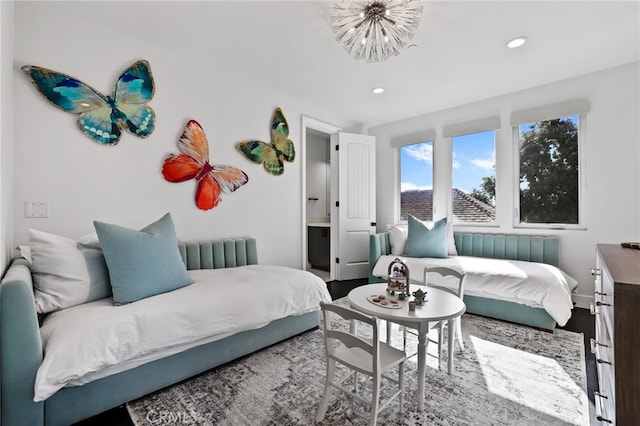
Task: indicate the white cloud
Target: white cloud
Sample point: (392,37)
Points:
(410,186)
(486,164)
(422,152)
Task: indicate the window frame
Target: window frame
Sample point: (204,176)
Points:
(581,225)
(494,223)
(398,162)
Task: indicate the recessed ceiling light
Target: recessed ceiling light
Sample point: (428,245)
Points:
(377,90)
(516,42)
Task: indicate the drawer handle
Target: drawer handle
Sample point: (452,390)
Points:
(599,407)
(601,294)
(593,309)
(595,271)
(595,343)
(598,303)
(602,361)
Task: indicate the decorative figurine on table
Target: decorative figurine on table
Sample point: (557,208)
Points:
(398,279)
(419,296)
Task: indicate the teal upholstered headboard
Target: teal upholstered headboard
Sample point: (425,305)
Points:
(219,253)
(530,248)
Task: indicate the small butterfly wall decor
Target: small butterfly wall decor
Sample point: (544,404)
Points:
(193,163)
(102,117)
(272,154)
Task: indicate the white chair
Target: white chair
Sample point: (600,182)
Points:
(459,291)
(362,355)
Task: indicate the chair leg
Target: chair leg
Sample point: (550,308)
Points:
(440,338)
(331,370)
(401,385)
(375,400)
(459,333)
(404,338)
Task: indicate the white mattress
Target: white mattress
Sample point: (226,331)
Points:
(528,283)
(97,339)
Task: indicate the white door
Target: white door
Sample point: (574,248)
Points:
(353,202)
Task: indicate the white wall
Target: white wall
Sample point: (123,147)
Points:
(611,158)
(6,132)
(83,181)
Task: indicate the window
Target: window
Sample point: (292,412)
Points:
(549,173)
(416,181)
(473,173)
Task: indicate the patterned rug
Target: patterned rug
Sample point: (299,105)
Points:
(508,375)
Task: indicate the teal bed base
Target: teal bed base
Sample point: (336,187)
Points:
(543,249)
(21,349)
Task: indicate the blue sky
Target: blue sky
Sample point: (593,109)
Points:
(473,158)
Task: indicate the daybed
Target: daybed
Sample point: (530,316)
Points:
(511,296)
(22,349)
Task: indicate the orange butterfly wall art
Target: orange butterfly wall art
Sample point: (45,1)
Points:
(193,163)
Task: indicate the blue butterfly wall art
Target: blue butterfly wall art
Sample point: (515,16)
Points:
(102,117)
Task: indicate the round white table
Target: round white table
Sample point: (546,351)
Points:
(441,305)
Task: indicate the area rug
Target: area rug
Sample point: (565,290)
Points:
(507,375)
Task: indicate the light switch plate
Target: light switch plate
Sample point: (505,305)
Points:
(36,209)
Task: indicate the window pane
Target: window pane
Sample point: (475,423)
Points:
(549,178)
(416,181)
(474,177)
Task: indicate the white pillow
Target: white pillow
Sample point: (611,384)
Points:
(398,238)
(25,252)
(67,272)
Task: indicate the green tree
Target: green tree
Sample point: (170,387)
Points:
(487,191)
(549,172)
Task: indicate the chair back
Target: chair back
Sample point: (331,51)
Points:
(446,272)
(335,319)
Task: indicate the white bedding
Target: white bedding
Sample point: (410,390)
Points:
(96,339)
(528,283)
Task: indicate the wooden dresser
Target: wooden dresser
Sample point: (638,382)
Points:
(617,342)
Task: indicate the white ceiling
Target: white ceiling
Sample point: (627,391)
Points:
(460,55)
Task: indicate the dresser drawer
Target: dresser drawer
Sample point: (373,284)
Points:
(602,307)
(605,397)
(605,409)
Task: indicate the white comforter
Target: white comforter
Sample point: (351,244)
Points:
(528,283)
(96,339)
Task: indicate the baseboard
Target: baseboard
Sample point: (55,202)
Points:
(582,300)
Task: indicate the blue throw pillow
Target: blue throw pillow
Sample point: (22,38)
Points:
(425,242)
(142,263)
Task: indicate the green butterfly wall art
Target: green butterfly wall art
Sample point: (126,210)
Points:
(272,155)
(102,117)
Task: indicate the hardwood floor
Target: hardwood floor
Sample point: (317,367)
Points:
(581,322)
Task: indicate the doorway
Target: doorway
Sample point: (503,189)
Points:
(317,221)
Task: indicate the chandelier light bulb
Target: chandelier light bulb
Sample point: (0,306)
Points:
(375,30)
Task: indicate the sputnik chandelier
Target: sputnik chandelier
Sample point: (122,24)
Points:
(375,30)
